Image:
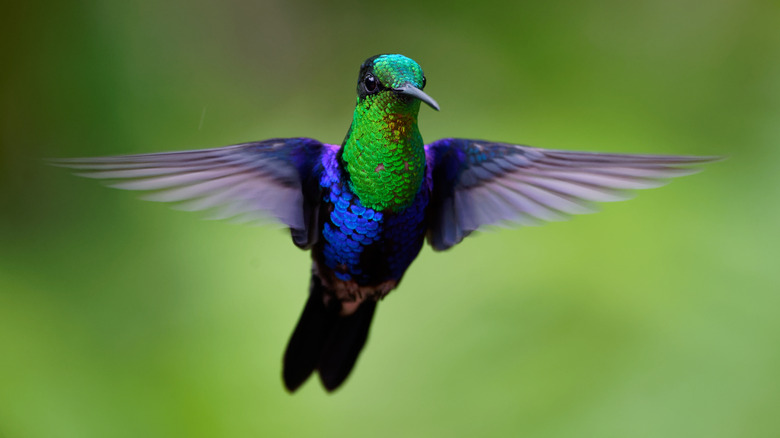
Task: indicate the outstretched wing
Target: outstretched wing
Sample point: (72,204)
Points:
(478,183)
(276,178)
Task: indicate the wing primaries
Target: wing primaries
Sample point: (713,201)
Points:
(247,182)
(478,183)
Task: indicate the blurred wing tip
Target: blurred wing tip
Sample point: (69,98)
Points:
(68,163)
(87,175)
(58,162)
(79,161)
(713,159)
(710,158)
(697,160)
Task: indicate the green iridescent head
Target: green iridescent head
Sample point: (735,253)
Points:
(394,74)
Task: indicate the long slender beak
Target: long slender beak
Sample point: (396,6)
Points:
(411,90)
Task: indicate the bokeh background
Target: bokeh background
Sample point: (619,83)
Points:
(654,318)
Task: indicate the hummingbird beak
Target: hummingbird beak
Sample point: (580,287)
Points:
(411,90)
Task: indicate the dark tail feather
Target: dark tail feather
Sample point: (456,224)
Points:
(325,340)
(347,338)
(305,346)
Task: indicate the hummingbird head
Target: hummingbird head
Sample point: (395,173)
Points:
(395,78)
(383,152)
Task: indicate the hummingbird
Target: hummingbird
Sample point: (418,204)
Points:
(365,207)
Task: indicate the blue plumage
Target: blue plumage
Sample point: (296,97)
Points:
(362,245)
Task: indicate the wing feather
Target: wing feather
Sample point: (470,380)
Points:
(478,183)
(276,179)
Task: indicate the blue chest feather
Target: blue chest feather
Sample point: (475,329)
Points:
(362,244)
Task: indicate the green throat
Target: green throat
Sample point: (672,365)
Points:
(384,153)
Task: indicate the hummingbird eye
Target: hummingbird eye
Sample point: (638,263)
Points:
(370,83)
(423,84)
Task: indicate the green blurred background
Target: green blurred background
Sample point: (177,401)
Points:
(653,318)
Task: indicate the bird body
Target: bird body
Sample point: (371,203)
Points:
(362,246)
(364,208)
